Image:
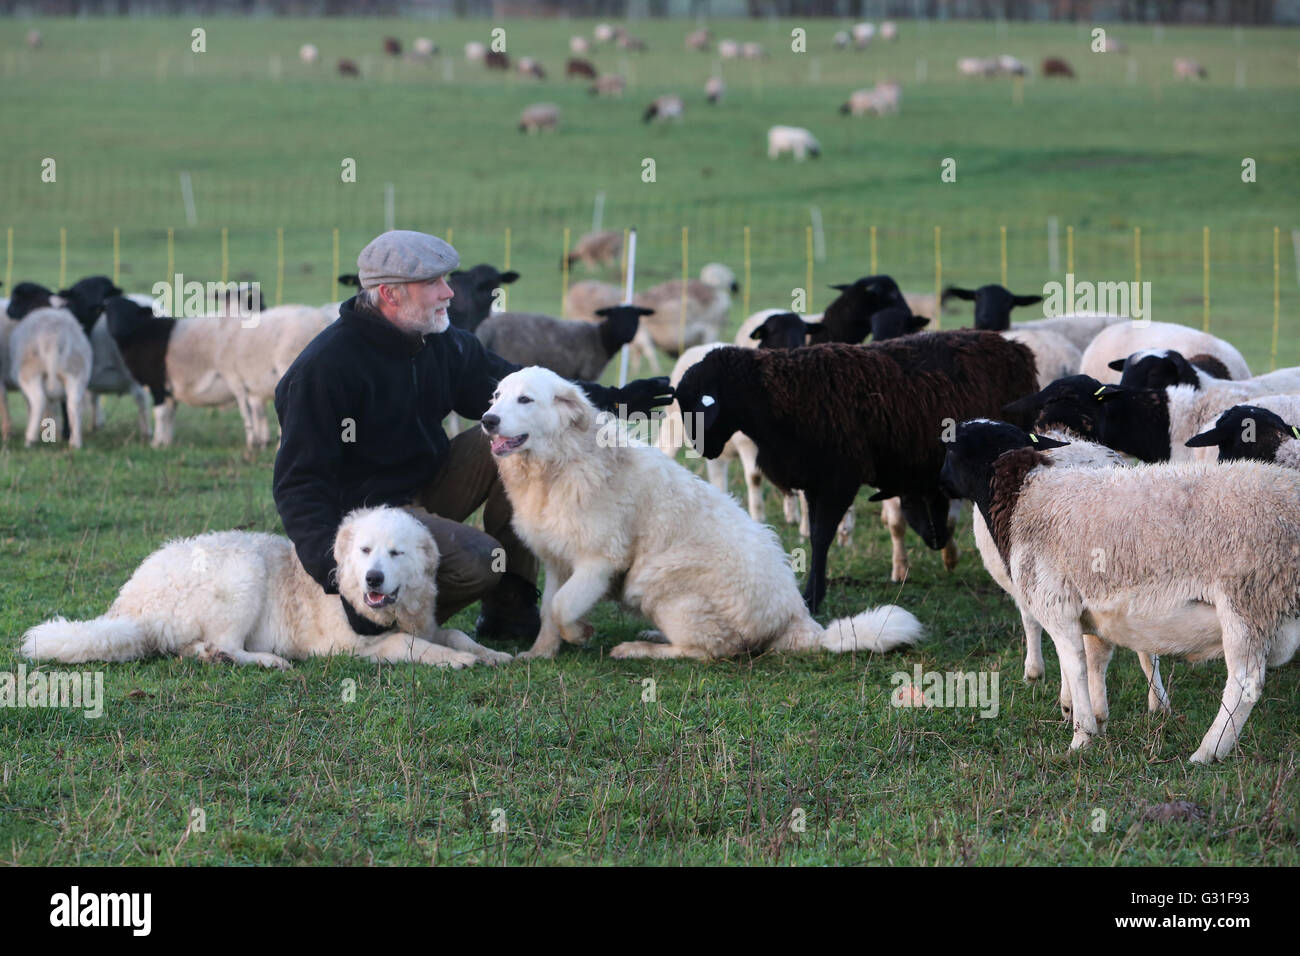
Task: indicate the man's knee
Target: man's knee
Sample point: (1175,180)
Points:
(476,566)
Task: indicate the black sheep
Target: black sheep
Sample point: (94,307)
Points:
(829,418)
(473,290)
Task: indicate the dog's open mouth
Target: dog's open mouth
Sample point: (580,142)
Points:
(501,445)
(377,599)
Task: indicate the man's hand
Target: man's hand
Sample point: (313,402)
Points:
(643,395)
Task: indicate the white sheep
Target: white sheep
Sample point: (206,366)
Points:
(791,139)
(1080,328)
(707,308)
(1200,560)
(1260,431)
(841,40)
(608,84)
(728,49)
(424,47)
(889,31)
(50,359)
(752,51)
(308,53)
(579,45)
(714,87)
(1055,355)
(698,40)
(539,116)
(475,52)
(1188,69)
(603,33)
(881,99)
(1120,340)
(664,108)
(977,66)
(862,34)
(1010,66)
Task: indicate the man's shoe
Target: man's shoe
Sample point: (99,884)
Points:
(509,612)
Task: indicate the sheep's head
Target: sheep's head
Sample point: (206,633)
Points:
(895,322)
(1246,432)
(86,298)
(848,318)
(620,325)
(1156,369)
(29,296)
(472,291)
(993,304)
(709,402)
(784,330)
(1074,402)
(968,465)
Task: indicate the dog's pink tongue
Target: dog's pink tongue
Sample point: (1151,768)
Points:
(498,443)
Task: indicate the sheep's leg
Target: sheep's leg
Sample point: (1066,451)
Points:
(1245,660)
(1067,635)
(804,526)
(950,552)
(747,451)
(1098,653)
(1157,698)
(6,423)
(142,405)
(716,469)
(826,507)
(261,426)
(33,390)
(1034,668)
(891,515)
(243,401)
(792,505)
(75,389)
(845,532)
(164,421)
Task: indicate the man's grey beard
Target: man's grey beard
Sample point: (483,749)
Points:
(414,318)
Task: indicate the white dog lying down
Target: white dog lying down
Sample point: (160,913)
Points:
(244,597)
(601,510)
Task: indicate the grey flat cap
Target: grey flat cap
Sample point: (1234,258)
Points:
(404,256)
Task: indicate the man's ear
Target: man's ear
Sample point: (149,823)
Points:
(574,408)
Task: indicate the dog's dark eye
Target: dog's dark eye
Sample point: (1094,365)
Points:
(395,554)
(365,550)
(524,399)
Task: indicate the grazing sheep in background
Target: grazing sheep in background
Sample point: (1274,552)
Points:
(392,46)
(603,33)
(631,44)
(714,87)
(977,66)
(576,67)
(597,249)
(1200,560)
(579,45)
(708,306)
(348,68)
(664,108)
(1187,69)
(752,51)
(529,67)
(608,84)
(841,40)
(889,31)
(573,350)
(829,418)
(792,139)
(538,117)
(699,40)
(584,301)
(1256,432)
(862,34)
(50,359)
(473,291)
(424,47)
(1121,340)
(496,61)
(34,39)
(1010,66)
(476,52)
(308,53)
(881,99)
(1055,66)
(729,49)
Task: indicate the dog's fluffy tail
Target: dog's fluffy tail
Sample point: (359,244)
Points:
(103,639)
(879,629)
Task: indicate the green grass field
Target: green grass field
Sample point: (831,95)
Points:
(567,761)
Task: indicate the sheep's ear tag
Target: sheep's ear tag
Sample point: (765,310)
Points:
(1034,439)
(707,400)
(1295,431)
(1097,394)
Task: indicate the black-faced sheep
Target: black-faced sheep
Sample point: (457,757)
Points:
(1163,368)
(794,140)
(109,374)
(829,418)
(472,294)
(664,108)
(574,350)
(1256,432)
(1199,560)
(993,305)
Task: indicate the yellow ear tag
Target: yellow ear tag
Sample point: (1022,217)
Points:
(1097,394)
(1295,431)
(1034,439)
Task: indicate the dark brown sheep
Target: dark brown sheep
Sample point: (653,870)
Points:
(828,419)
(496,61)
(579,67)
(392,46)
(1055,66)
(348,68)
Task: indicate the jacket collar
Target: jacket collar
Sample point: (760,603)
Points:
(378,330)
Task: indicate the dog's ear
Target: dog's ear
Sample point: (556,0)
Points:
(416,606)
(342,541)
(573,406)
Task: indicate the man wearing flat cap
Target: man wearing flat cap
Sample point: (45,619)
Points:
(361,412)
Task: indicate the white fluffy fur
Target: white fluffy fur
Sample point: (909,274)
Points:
(244,597)
(791,139)
(1079,327)
(1054,354)
(1121,340)
(50,358)
(605,515)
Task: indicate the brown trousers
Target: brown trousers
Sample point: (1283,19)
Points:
(471,564)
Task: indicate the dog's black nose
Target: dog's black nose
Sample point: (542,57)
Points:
(490,423)
(374,578)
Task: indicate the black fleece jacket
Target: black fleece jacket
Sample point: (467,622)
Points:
(361,412)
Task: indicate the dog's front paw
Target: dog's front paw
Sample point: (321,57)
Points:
(579,632)
(461,659)
(492,658)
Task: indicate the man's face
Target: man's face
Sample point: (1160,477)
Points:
(422,306)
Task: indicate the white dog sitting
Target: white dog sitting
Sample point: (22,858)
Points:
(599,508)
(244,597)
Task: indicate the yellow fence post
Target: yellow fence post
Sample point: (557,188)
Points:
(1004,255)
(451,231)
(938,280)
(746,293)
(279,265)
(873,250)
(809,244)
(334,273)
(1205,254)
(681,334)
(225,254)
(564,269)
(63,257)
(1276,298)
